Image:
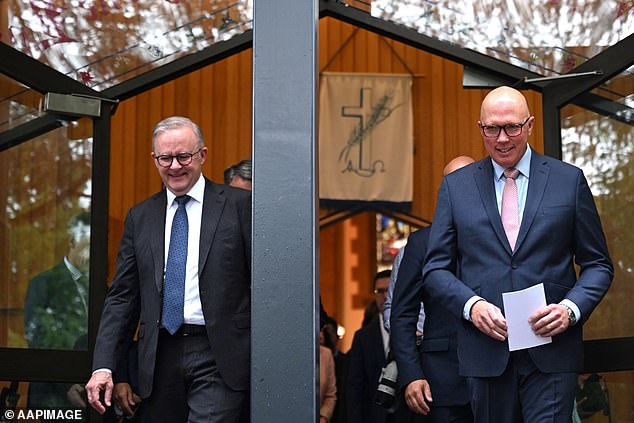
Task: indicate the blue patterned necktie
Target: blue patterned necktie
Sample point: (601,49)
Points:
(174,290)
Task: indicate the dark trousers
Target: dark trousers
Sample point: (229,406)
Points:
(187,384)
(523,394)
(450,414)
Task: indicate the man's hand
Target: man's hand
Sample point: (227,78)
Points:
(75,395)
(126,399)
(550,320)
(100,381)
(417,395)
(489,320)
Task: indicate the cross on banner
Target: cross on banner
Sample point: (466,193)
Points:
(365,137)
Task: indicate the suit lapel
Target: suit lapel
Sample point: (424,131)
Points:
(213,205)
(484,181)
(536,188)
(157,240)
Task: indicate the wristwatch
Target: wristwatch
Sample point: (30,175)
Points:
(572,319)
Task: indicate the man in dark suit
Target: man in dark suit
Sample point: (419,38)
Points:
(366,359)
(56,313)
(193,306)
(428,366)
(473,257)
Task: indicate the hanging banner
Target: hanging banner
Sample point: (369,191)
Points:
(365,137)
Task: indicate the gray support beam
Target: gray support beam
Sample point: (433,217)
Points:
(284,368)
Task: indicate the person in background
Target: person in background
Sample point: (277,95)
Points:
(367,356)
(327,385)
(514,220)
(239,175)
(56,313)
(328,338)
(427,363)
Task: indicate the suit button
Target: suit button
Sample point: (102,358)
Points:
(203,291)
(514,265)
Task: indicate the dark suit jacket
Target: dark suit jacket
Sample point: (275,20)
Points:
(560,226)
(55,310)
(365,361)
(224,284)
(436,360)
(54,318)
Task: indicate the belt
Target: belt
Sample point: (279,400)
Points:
(187,329)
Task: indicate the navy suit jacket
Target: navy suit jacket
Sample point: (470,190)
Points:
(560,227)
(365,361)
(436,360)
(224,277)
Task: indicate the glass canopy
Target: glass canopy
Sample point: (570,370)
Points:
(104,42)
(548,37)
(18,104)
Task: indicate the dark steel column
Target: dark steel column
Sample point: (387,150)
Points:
(285,290)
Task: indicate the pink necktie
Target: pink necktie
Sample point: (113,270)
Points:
(510,207)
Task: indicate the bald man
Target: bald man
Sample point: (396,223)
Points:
(428,365)
(474,255)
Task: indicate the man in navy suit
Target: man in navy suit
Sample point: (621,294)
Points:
(428,366)
(366,359)
(193,364)
(471,261)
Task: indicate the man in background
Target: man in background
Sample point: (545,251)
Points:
(239,175)
(427,362)
(367,356)
(56,311)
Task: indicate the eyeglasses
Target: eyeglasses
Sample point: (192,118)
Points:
(380,291)
(511,129)
(183,159)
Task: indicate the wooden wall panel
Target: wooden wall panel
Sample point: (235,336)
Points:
(218,98)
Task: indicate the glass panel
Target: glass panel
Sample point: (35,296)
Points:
(604,149)
(63,401)
(45,191)
(104,42)
(620,89)
(605,397)
(547,37)
(18,104)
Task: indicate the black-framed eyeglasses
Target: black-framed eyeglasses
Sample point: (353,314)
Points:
(380,291)
(511,129)
(183,159)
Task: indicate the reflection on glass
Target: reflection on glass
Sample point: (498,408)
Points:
(547,37)
(45,191)
(605,397)
(604,149)
(24,397)
(18,104)
(102,43)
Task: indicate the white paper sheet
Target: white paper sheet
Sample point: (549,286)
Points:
(518,307)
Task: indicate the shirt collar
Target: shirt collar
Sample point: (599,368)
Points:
(75,273)
(524,165)
(197,192)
